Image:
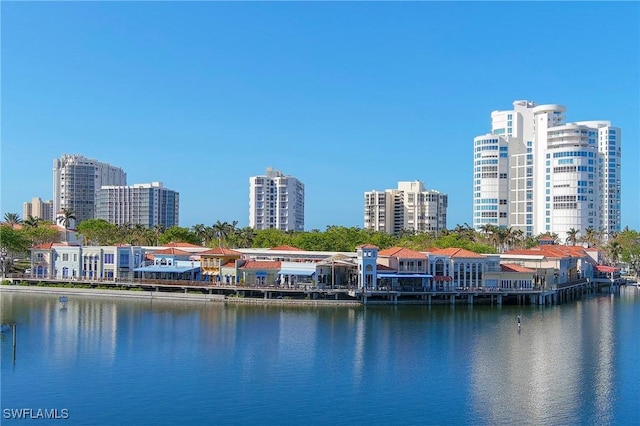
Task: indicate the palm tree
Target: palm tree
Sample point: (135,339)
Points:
(614,249)
(140,234)
(590,237)
(246,237)
(232,231)
(201,233)
(572,236)
(221,231)
(517,238)
(65,219)
(12,219)
(158,229)
(124,233)
(32,222)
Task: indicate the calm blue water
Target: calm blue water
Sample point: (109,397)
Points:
(113,361)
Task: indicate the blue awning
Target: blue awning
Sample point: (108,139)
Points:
(303,272)
(158,268)
(405,276)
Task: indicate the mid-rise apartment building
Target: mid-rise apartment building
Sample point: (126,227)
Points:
(147,204)
(38,208)
(76,180)
(276,201)
(409,207)
(536,173)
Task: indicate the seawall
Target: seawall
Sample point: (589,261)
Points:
(155,295)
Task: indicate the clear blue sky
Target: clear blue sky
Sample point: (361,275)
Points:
(348,97)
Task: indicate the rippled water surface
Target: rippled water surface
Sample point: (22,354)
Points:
(114,361)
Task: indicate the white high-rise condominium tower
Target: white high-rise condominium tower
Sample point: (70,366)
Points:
(276,201)
(410,207)
(76,180)
(147,204)
(538,174)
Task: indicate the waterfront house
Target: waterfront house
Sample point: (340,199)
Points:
(516,277)
(260,273)
(68,261)
(337,271)
(406,269)
(294,274)
(219,265)
(170,264)
(456,268)
(42,260)
(553,264)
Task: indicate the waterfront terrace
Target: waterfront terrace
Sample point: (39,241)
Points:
(545,274)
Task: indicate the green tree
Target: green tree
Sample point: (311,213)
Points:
(591,237)
(44,233)
(98,232)
(572,236)
(246,236)
(158,230)
(13,240)
(221,232)
(614,250)
(12,219)
(32,222)
(271,238)
(200,232)
(178,234)
(65,220)
(629,240)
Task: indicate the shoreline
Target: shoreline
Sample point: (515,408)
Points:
(154,295)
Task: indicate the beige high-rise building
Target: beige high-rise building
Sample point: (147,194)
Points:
(410,207)
(38,209)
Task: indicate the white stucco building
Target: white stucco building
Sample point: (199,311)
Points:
(276,201)
(536,173)
(409,207)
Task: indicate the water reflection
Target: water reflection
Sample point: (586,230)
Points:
(574,363)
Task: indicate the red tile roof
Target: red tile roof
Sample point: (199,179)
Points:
(401,253)
(457,252)
(383,268)
(605,268)
(174,251)
(514,267)
(174,244)
(552,252)
(48,246)
(367,246)
(286,248)
(220,251)
(261,264)
(43,246)
(229,264)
